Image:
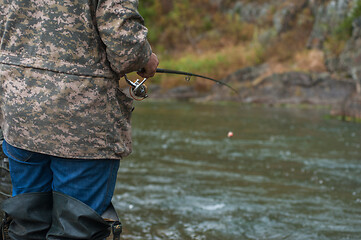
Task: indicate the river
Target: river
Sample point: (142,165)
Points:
(287,173)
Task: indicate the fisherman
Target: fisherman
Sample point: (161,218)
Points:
(65,122)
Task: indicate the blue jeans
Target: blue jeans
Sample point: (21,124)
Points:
(91,181)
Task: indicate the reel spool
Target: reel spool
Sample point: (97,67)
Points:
(137,90)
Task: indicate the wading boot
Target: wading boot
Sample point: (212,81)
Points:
(4,229)
(111,217)
(5,179)
(72,219)
(5,191)
(29,215)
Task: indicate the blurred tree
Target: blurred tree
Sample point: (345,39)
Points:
(167,6)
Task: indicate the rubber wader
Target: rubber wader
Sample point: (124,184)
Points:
(56,216)
(72,219)
(34,219)
(5,190)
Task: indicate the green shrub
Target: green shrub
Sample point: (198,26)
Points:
(344,30)
(191,24)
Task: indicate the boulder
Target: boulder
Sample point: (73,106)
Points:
(350,58)
(299,87)
(284,17)
(240,79)
(352,107)
(286,88)
(247,73)
(252,12)
(328,14)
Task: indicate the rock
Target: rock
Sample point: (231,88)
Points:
(240,79)
(288,88)
(327,16)
(283,18)
(247,74)
(352,107)
(252,12)
(298,87)
(350,59)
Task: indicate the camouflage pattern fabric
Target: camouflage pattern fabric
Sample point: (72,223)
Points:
(60,62)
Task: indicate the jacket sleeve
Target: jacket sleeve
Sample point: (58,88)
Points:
(122,30)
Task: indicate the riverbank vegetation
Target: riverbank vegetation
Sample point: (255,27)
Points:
(213,38)
(341,33)
(257,46)
(198,36)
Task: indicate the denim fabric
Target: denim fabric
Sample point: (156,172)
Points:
(90,181)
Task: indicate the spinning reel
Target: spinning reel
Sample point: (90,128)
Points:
(137,90)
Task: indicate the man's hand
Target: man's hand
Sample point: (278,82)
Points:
(150,68)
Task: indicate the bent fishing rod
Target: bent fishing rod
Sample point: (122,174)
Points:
(139,91)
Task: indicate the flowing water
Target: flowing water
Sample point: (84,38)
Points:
(285,174)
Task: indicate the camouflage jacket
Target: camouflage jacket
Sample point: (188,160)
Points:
(60,62)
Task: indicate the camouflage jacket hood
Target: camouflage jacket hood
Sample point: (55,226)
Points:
(59,66)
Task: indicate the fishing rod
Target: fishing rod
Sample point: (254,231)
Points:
(139,91)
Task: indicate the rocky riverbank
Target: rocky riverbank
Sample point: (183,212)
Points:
(319,89)
(335,32)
